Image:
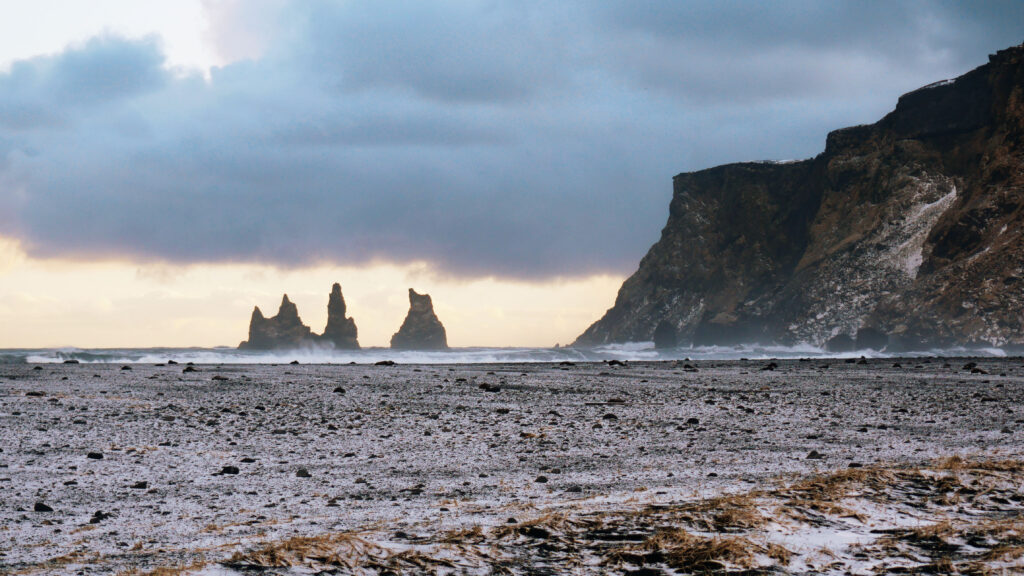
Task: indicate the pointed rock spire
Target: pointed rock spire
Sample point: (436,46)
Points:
(285,330)
(421,329)
(340,331)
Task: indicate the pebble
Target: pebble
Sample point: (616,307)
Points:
(99,516)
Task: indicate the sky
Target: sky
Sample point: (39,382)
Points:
(167,165)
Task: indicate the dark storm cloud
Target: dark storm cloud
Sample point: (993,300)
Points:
(512,139)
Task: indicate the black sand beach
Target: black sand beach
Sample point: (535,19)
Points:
(513,468)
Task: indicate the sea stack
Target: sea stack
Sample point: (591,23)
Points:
(421,329)
(340,331)
(285,330)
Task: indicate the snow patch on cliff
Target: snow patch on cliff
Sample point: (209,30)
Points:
(918,223)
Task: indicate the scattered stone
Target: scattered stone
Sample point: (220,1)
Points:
(815,455)
(71,361)
(40,507)
(535,532)
(141,485)
(384,363)
(99,516)
(541,480)
(302,473)
(126,367)
(339,390)
(219,378)
(227,470)
(188,369)
(94,455)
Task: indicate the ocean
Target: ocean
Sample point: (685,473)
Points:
(636,351)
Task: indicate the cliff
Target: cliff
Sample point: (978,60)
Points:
(908,233)
(421,329)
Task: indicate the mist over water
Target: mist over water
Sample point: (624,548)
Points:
(633,351)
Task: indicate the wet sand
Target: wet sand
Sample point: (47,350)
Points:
(156,466)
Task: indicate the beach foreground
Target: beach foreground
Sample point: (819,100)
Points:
(822,466)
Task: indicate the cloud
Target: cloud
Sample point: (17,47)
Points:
(487,138)
(50,90)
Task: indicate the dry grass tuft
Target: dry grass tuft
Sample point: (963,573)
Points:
(474,535)
(732,513)
(685,551)
(345,549)
(165,570)
(838,485)
(546,526)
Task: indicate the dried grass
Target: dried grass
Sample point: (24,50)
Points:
(474,535)
(689,552)
(177,570)
(342,549)
(717,535)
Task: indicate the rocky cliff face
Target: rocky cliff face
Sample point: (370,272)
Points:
(285,330)
(908,233)
(341,331)
(421,329)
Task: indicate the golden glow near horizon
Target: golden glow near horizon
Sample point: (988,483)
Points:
(120,304)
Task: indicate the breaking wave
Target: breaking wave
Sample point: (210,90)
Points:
(634,351)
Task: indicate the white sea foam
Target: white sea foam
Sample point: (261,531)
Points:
(630,351)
